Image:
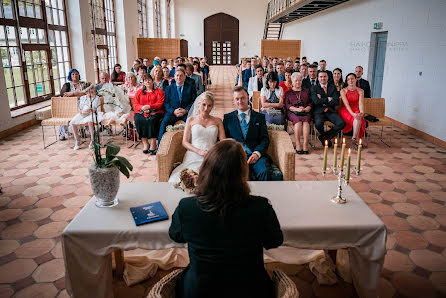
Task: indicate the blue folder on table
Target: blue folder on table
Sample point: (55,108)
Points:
(148,213)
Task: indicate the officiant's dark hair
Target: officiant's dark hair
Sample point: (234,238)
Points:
(222,182)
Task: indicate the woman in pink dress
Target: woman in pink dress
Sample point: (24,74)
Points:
(353,109)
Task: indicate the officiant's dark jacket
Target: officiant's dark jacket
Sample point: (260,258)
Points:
(226,257)
(257,138)
(320,104)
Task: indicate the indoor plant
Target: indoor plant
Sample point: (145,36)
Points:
(104,170)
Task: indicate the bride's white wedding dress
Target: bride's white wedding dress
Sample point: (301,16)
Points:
(202,138)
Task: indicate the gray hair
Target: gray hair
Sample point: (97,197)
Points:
(296,75)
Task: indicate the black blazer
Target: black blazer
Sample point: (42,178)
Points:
(257,138)
(364,85)
(321,104)
(306,83)
(329,74)
(226,258)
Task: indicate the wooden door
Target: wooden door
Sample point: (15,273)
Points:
(184,48)
(221,39)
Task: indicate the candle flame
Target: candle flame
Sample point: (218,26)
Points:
(343,140)
(326,143)
(360,141)
(349,151)
(336,140)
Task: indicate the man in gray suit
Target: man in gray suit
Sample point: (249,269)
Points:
(198,80)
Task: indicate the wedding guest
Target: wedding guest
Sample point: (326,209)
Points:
(149,110)
(312,77)
(142,70)
(135,66)
(361,83)
(198,71)
(87,105)
(269,68)
(256,83)
(280,69)
(325,99)
(271,97)
(287,83)
(352,112)
(158,78)
(337,80)
(146,62)
(131,86)
(197,80)
(163,63)
(224,225)
(104,80)
(117,75)
(73,88)
(296,66)
(298,105)
(323,67)
(166,75)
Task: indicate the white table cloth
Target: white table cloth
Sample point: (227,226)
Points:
(308,220)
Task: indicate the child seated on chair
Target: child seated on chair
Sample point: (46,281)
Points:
(87,105)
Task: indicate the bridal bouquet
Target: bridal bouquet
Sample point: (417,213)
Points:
(188,180)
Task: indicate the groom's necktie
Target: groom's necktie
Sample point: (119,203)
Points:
(244,126)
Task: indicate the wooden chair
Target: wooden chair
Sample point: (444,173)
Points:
(171,151)
(165,287)
(256,101)
(377,107)
(63,109)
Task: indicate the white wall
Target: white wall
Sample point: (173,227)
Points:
(416,43)
(127,31)
(189,16)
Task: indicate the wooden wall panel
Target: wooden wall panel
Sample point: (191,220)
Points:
(168,48)
(280,48)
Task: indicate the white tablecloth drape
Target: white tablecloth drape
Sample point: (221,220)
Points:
(308,220)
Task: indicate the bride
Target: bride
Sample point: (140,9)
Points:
(200,134)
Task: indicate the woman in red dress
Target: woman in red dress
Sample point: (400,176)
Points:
(287,84)
(353,109)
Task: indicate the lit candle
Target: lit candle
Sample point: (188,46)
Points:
(324,168)
(342,153)
(347,175)
(335,155)
(358,162)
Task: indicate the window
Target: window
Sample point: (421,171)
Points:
(34,49)
(142,18)
(157,10)
(104,33)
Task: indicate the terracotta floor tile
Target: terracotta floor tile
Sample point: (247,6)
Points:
(22,202)
(65,214)
(414,176)
(7,247)
(370,198)
(381,209)
(428,259)
(36,214)
(49,271)
(18,230)
(57,250)
(395,261)
(390,242)
(16,270)
(9,214)
(24,180)
(13,190)
(395,223)
(74,180)
(410,239)
(407,208)
(34,248)
(41,290)
(36,190)
(428,186)
(423,222)
(436,237)
(433,207)
(77,201)
(418,196)
(6,291)
(50,230)
(49,180)
(50,202)
(61,190)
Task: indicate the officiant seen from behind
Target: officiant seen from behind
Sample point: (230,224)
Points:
(225,229)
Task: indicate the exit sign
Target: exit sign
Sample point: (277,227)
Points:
(378,26)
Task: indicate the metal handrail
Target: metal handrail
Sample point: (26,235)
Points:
(277,6)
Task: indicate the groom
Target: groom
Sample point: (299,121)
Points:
(249,128)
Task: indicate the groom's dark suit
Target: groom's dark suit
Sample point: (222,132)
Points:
(257,139)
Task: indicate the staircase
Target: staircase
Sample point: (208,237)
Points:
(272,30)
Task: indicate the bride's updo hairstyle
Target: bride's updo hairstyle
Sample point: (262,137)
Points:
(199,100)
(222,182)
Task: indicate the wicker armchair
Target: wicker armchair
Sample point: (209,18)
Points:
(63,109)
(171,151)
(165,288)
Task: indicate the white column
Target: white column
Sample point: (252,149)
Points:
(127,31)
(81,38)
(172,19)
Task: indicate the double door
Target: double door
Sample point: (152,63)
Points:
(221,53)
(221,39)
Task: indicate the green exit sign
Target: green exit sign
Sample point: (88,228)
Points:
(378,26)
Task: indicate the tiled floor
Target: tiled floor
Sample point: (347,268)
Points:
(405,185)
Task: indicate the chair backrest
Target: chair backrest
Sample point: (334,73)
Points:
(375,107)
(64,107)
(256,100)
